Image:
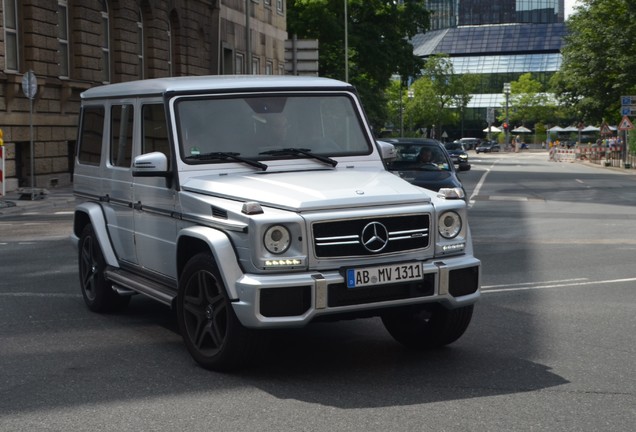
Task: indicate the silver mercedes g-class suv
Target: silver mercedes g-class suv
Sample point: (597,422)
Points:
(252,203)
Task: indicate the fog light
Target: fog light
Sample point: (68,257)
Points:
(454,247)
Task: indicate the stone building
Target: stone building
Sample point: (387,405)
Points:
(72,45)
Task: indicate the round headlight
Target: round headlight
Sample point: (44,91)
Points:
(277,239)
(449,225)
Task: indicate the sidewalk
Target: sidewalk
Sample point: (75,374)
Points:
(48,201)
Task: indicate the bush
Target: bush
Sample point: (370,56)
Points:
(631,142)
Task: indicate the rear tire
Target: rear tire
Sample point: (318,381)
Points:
(429,326)
(210,329)
(97,291)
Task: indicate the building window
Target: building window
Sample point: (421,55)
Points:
(176,62)
(140,45)
(269,68)
(267,2)
(256,66)
(105,43)
(239,64)
(279,6)
(62,37)
(170,53)
(11,41)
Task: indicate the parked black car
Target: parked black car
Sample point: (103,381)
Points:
(488,147)
(408,162)
(458,155)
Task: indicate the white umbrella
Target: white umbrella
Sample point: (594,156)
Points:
(521,129)
(493,129)
(590,129)
(555,129)
(571,129)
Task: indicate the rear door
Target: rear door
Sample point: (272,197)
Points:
(117,179)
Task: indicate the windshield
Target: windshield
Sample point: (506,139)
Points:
(454,146)
(259,128)
(413,157)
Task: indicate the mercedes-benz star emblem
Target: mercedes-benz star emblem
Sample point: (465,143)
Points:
(375,237)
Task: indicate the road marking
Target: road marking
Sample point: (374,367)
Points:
(482,180)
(507,198)
(550,284)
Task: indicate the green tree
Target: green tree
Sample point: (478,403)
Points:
(599,59)
(528,102)
(439,96)
(378,41)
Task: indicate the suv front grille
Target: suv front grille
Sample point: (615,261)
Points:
(363,237)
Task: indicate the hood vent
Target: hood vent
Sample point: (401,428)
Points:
(219,213)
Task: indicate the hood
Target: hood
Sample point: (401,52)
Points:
(311,190)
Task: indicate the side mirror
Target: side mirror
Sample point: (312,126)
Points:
(153,164)
(387,151)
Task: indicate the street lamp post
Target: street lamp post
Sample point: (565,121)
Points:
(506,90)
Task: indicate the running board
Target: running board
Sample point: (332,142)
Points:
(123,279)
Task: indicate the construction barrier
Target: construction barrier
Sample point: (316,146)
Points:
(558,154)
(594,154)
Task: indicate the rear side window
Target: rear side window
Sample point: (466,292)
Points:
(91,132)
(121,133)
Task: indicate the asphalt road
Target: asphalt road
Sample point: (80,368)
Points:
(552,345)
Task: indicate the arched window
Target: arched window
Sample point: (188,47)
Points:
(11,36)
(140,44)
(170,53)
(63,38)
(175,45)
(105,43)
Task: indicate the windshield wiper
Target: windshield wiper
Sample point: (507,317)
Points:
(301,151)
(227,155)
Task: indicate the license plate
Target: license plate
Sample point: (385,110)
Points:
(381,275)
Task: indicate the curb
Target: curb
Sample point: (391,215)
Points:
(56,200)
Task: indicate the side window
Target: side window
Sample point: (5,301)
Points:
(121,135)
(90,140)
(155,130)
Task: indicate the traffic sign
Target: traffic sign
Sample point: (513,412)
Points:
(605,130)
(490,117)
(29,84)
(628,110)
(628,100)
(626,124)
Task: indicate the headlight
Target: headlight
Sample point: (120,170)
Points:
(277,239)
(449,224)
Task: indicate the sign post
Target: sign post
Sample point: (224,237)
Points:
(625,126)
(30,88)
(2,169)
(490,118)
(628,108)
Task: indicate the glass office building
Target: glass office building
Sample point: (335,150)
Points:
(453,13)
(498,41)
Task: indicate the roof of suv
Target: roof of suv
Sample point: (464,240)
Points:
(222,83)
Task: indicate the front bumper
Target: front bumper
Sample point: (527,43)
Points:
(294,300)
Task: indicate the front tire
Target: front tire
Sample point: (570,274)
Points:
(430,326)
(97,291)
(210,329)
